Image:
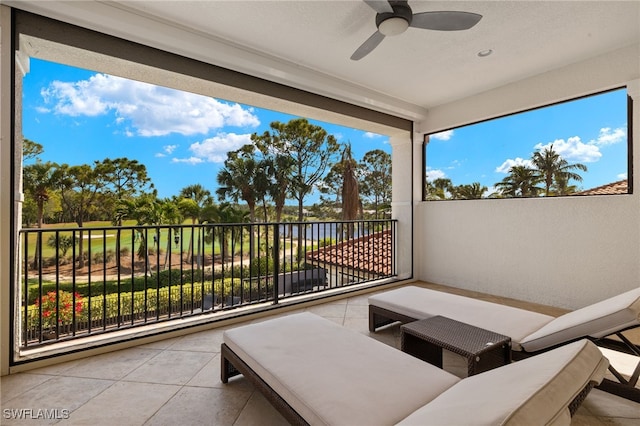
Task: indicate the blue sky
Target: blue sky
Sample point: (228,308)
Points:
(80,116)
(591,131)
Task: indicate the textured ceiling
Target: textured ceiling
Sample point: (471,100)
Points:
(308,43)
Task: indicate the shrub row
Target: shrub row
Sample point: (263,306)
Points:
(152,301)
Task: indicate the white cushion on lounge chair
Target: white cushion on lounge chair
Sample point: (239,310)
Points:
(531,392)
(332,375)
(420,303)
(597,320)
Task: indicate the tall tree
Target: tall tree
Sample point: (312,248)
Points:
(331,185)
(31,149)
(227,236)
(171,215)
(278,169)
(376,178)
(39,181)
(351,206)
(199,198)
(241,178)
(310,147)
(80,186)
(124,178)
(145,209)
(469,192)
(561,186)
(197,193)
(438,188)
(553,168)
(521,181)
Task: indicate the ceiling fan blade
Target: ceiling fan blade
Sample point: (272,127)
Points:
(445,21)
(366,47)
(380,6)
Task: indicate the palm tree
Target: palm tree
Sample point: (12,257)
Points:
(227,236)
(521,182)
(438,188)
(279,169)
(469,192)
(561,186)
(552,167)
(237,178)
(171,215)
(39,181)
(199,198)
(243,178)
(145,210)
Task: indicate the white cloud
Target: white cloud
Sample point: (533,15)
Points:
(433,174)
(442,136)
(574,150)
(509,163)
(372,135)
(455,164)
(151,110)
(215,149)
(622,176)
(609,137)
(190,160)
(168,150)
(491,190)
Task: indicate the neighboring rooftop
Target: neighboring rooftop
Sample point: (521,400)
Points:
(619,187)
(361,254)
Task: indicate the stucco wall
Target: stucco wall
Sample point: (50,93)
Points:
(566,251)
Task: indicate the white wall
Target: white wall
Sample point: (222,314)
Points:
(5,186)
(567,251)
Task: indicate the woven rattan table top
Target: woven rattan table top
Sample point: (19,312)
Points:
(455,336)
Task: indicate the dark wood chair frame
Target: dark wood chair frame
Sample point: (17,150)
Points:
(625,388)
(233,365)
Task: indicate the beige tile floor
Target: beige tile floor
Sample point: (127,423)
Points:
(177,382)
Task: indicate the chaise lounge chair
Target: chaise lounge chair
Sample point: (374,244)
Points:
(317,372)
(530,332)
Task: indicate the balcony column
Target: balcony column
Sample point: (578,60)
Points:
(633,91)
(6,191)
(402,158)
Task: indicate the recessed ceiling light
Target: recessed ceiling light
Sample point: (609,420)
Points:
(485,53)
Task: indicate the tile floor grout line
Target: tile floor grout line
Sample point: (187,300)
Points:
(162,406)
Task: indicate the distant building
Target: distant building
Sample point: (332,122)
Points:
(368,257)
(619,187)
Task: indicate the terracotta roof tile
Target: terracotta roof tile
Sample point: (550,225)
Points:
(619,187)
(371,254)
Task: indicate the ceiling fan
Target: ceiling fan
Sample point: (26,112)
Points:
(395,17)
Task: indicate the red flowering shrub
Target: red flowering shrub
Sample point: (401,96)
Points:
(66,306)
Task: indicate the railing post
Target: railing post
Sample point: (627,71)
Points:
(276,262)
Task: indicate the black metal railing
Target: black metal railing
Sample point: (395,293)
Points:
(77,282)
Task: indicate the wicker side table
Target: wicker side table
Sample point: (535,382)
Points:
(483,349)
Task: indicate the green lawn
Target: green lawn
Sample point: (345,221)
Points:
(96,241)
